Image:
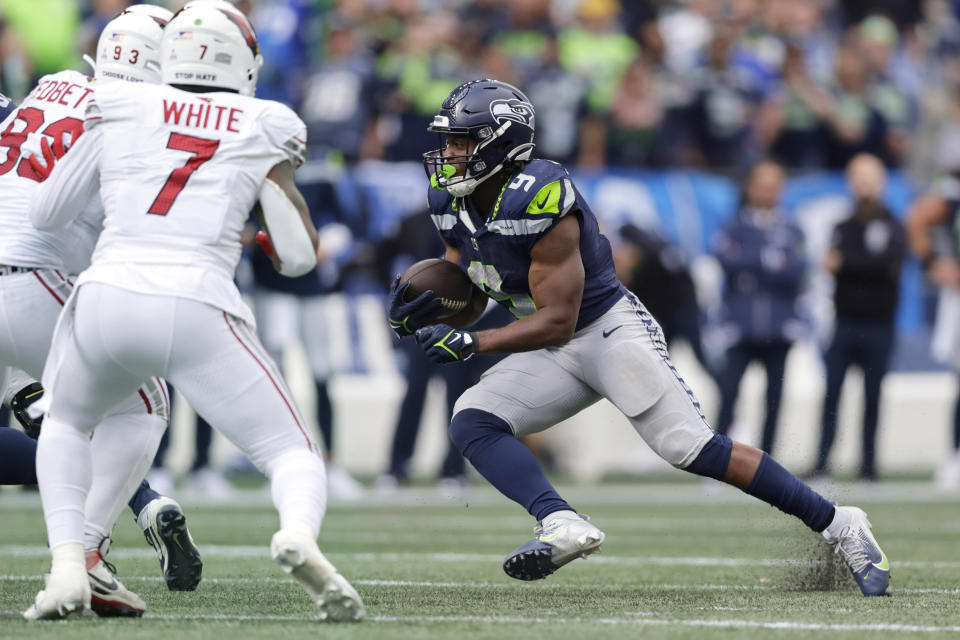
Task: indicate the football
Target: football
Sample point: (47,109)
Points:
(447,281)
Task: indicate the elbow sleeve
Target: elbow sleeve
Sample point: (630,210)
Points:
(290,238)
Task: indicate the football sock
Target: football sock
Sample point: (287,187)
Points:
(143,495)
(778,487)
(64,473)
(713,459)
(325,415)
(18,454)
(123,446)
(298,486)
(489,444)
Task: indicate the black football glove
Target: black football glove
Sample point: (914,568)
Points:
(21,402)
(444,344)
(406,317)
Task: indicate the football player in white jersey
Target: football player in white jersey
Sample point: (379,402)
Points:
(179,167)
(36,280)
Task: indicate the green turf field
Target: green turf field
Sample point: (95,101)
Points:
(678,563)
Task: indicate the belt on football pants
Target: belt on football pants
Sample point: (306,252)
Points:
(7,270)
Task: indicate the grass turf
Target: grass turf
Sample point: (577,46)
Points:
(677,563)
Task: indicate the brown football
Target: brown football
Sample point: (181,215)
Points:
(447,281)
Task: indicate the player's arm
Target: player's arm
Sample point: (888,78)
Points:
(478,299)
(286,221)
(926,213)
(74,180)
(556,279)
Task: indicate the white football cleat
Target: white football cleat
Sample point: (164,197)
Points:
(61,597)
(109,598)
(561,537)
(297,554)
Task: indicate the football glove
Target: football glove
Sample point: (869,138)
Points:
(263,240)
(19,405)
(406,317)
(444,344)
(43,169)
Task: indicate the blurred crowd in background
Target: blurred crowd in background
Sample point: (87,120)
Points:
(756,91)
(716,84)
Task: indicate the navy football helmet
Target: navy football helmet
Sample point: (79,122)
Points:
(493,114)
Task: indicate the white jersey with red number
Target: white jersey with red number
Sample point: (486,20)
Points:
(179,175)
(53,110)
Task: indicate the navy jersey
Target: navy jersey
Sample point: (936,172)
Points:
(496,253)
(6,107)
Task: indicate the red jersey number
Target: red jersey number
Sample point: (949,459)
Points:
(33,120)
(202,150)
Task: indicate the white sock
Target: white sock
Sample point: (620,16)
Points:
(67,558)
(123,447)
(64,474)
(298,486)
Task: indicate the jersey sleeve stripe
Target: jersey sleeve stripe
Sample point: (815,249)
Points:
(569,197)
(520,227)
(444,222)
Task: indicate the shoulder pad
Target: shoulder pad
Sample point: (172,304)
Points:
(286,130)
(438,199)
(541,188)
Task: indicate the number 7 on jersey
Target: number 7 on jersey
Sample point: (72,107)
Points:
(202,150)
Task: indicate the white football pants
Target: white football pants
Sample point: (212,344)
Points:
(30,304)
(111,340)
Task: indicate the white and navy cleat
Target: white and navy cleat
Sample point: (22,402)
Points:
(561,537)
(849,535)
(165,528)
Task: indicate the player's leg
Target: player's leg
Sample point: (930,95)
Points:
(159,517)
(738,357)
(220,367)
(314,332)
(19,453)
(774,359)
(418,373)
(876,344)
(836,361)
(674,427)
(83,385)
(526,393)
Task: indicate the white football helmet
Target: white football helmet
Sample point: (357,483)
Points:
(129,46)
(212,44)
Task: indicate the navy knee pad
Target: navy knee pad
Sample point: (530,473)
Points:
(472,425)
(714,458)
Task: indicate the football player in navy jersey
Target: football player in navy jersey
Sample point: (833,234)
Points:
(525,236)
(7,106)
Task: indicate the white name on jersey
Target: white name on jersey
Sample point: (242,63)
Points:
(198,115)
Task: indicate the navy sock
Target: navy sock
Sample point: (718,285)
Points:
(18,457)
(141,497)
(778,487)
(489,444)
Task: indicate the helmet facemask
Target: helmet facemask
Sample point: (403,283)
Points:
(486,160)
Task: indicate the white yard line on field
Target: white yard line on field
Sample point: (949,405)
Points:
(644,621)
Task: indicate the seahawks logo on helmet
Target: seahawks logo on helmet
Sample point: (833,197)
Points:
(513,109)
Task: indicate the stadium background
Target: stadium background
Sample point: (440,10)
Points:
(657,106)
